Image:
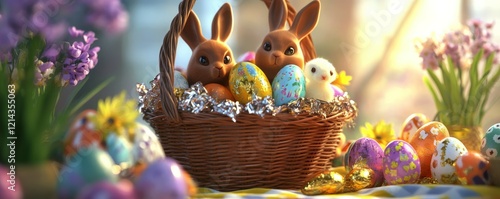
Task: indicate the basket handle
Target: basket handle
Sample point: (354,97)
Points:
(169,47)
(167,60)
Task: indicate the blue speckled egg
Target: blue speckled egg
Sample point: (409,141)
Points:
(490,145)
(288,85)
(120,149)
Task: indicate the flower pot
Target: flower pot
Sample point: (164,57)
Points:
(470,136)
(38,181)
(494,172)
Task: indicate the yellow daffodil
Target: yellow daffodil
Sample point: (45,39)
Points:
(117,115)
(342,80)
(382,132)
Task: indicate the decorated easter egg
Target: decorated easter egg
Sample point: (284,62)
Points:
(424,142)
(490,145)
(411,125)
(443,160)
(337,91)
(82,133)
(367,151)
(120,150)
(121,190)
(180,81)
(163,178)
(219,92)
(247,81)
(288,85)
(401,163)
(89,165)
(146,148)
(472,168)
(10,186)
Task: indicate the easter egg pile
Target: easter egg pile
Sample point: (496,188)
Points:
(118,166)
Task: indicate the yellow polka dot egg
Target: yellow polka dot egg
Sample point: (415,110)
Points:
(401,163)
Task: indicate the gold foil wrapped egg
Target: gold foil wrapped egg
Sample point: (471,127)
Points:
(359,178)
(326,182)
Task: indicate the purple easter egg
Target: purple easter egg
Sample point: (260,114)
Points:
(11,188)
(162,179)
(337,91)
(108,190)
(368,151)
(401,163)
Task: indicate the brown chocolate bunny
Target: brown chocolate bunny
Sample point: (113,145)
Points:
(280,46)
(212,59)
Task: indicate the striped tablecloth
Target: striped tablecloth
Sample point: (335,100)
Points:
(416,191)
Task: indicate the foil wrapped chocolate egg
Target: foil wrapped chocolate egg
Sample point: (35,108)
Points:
(367,150)
(246,81)
(411,125)
(443,160)
(325,182)
(424,142)
(360,178)
(472,169)
(401,163)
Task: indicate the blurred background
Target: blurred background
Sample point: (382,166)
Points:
(373,41)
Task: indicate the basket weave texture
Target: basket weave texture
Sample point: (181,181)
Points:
(275,151)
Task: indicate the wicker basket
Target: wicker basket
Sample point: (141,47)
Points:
(279,151)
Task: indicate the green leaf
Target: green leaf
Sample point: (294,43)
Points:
(89,95)
(441,88)
(437,101)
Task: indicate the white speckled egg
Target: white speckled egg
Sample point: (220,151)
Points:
(147,148)
(446,154)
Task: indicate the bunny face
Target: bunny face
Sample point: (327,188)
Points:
(212,59)
(280,46)
(320,71)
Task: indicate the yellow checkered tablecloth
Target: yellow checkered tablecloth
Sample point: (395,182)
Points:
(408,191)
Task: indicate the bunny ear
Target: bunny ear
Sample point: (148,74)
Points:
(222,25)
(277,15)
(306,20)
(191,33)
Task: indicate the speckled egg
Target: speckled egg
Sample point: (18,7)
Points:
(401,163)
(247,81)
(120,150)
(411,125)
(180,81)
(490,145)
(87,166)
(162,179)
(288,85)
(146,148)
(10,186)
(443,160)
(369,151)
(82,133)
(472,168)
(107,190)
(219,92)
(424,142)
